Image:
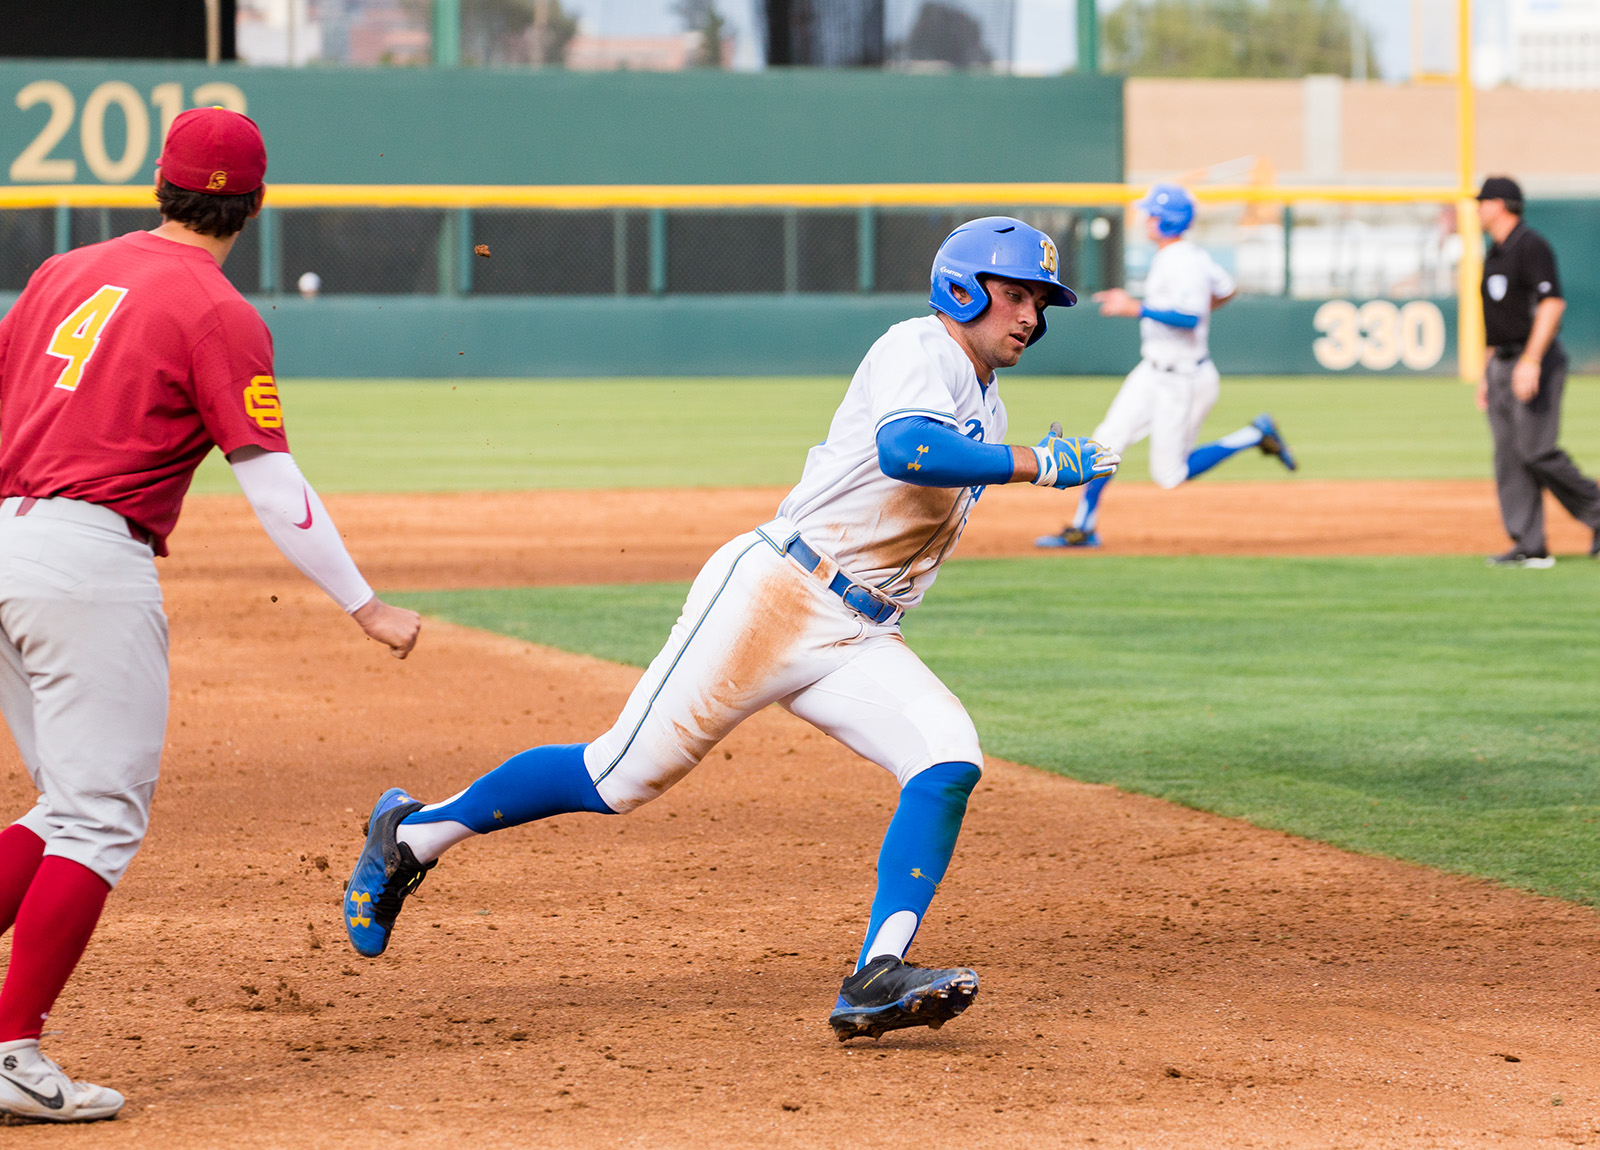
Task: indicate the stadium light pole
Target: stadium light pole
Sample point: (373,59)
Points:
(1088,36)
(1469,304)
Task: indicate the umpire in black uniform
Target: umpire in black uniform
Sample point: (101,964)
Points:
(1523,379)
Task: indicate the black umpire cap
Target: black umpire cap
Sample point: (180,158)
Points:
(1502,188)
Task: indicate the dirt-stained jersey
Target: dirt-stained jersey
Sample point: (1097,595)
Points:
(882,532)
(1183,277)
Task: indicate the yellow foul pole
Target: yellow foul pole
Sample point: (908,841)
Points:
(1469,304)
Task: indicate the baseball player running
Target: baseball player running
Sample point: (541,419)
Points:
(121,365)
(1169,394)
(804,611)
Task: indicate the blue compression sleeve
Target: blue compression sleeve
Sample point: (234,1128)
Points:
(920,840)
(533,785)
(928,453)
(1088,513)
(1171,318)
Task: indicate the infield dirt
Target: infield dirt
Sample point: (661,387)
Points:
(1152,975)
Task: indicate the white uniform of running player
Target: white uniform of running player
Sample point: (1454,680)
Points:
(804,611)
(1175,385)
(757,628)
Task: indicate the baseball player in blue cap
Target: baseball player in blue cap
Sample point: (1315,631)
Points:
(804,611)
(1169,394)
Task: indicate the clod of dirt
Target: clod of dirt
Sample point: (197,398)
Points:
(1510,1058)
(481,250)
(320,862)
(791,1106)
(1174,1072)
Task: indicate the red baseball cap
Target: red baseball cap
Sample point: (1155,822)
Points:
(214,150)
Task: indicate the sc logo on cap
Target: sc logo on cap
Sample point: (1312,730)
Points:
(217,182)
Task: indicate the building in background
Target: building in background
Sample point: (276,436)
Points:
(280,32)
(590,53)
(1554,43)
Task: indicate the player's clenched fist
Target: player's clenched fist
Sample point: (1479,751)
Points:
(395,627)
(1071,461)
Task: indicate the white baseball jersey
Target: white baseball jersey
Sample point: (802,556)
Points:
(1183,277)
(882,532)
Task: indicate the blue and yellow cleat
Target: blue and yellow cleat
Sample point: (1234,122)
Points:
(1072,537)
(1272,442)
(385,873)
(888,994)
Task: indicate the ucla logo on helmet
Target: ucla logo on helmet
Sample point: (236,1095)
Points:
(1049,261)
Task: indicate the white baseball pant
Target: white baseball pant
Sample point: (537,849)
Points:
(757,628)
(83,676)
(1168,406)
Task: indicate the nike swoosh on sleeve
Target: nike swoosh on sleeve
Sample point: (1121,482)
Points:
(305,524)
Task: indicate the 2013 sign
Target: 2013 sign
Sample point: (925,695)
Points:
(1379,334)
(38,165)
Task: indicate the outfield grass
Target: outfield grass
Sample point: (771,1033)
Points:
(399,435)
(1427,709)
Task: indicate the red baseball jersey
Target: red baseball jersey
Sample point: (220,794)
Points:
(121,365)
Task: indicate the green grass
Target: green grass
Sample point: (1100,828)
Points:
(400,435)
(1427,709)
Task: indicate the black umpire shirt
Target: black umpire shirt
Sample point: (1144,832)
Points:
(1517,273)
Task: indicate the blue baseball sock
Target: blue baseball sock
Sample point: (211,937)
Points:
(916,852)
(1204,458)
(535,784)
(1088,513)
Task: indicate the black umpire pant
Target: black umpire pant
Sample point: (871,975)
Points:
(1527,461)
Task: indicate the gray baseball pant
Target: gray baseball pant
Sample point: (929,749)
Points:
(83,676)
(1527,461)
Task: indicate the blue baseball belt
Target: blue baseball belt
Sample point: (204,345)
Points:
(855,596)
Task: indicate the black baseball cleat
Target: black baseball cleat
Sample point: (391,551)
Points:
(1517,557)
(888,994)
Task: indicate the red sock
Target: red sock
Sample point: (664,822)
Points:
(20,852)
(54,923)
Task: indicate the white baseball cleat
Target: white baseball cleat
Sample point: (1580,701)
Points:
(35,1089)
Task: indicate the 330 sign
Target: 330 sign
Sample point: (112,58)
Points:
(41,162)
(1378,335)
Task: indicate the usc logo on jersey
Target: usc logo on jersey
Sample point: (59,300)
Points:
(261,402)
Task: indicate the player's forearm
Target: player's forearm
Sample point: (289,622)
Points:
(928,453)
(300,527)
(1546,322)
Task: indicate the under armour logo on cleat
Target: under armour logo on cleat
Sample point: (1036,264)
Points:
(362,901)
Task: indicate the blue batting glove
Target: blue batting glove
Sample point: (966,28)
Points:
(1072,461)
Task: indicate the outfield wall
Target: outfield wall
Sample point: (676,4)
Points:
(409,337)
(103,122)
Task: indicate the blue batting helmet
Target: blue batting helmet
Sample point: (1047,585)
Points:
(994,246)
(1171,206)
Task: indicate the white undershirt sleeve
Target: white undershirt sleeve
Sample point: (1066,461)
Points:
(300,527)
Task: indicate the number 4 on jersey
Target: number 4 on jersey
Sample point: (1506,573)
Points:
(78,335)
